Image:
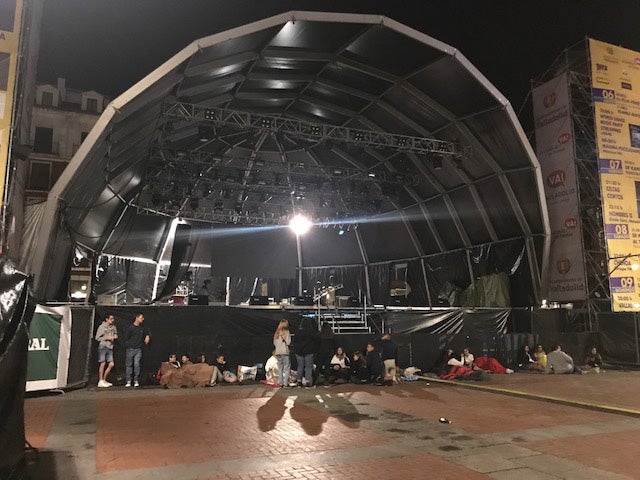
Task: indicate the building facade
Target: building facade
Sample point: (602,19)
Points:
(62,118)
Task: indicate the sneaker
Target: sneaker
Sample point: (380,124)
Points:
(509,370)
(128,384)
(107,384)
(102,384)
(136,384)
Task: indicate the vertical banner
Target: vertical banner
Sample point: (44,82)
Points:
(10,21)
(615,86)
(556,153)
(49,348)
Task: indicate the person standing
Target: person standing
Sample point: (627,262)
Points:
(281,342)
(306,344)
(136,337)
(389,355)
(106,335)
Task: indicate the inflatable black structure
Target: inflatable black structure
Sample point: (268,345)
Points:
(15,313)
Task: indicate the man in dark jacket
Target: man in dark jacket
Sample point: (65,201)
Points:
(135,337)
(306,344)
(373,364)
(389,354)
(359,372)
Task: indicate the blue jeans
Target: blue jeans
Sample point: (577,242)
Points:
(133,358)
(305,365)
(284,368)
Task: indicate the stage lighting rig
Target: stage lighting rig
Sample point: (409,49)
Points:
(300,224)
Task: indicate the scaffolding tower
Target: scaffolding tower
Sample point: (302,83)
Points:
(574,61)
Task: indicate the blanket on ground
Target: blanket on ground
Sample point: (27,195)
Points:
(193,375)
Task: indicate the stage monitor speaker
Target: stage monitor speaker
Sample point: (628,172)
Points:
(259,300)
(198,300)
(306,300)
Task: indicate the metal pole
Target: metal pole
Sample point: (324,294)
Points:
(426,282)
(299,249)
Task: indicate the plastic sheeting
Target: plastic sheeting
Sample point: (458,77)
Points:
(16,312)
(33,215)
(619,337)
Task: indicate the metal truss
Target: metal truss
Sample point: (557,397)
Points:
(307,130)
(590,200)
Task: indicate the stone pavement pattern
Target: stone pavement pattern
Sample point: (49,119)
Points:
(346,432)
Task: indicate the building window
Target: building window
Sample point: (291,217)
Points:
(43,141)
(92,104)
(47,99)
(40,176)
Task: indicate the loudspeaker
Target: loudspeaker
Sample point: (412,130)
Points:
(306,300)
(259,300)
(198,300)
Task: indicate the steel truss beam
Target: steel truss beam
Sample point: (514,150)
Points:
(307,130)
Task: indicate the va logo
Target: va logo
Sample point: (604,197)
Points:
(556,178)
(38,345)
(563,266)
(549,100)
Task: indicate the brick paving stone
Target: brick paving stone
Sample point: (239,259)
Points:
(39,415)
(493,413)
(613,452)
(153,432)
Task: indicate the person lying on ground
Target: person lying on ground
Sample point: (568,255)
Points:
(559,362)
(488,364)
(172,360)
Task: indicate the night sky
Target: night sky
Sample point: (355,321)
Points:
(107,45)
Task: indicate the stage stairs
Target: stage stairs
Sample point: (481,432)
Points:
(347,322)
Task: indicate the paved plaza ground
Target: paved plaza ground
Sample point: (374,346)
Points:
(343,432)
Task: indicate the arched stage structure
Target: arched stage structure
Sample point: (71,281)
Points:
(367,126)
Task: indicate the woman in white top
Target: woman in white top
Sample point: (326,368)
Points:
(339,372)
(467,358)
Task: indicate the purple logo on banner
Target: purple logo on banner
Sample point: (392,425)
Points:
(622,284)
(603,95)
(610,166)
(617,231)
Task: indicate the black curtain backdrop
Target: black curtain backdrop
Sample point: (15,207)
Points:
(184,246)
(379,282)
(415,279)
(352,279)
(17,311)
(618,334)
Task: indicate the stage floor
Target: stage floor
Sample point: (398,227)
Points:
(343,432)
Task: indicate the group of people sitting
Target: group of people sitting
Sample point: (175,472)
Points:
(184,373)
(320,360)
(557,361)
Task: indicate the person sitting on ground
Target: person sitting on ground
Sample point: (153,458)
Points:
(202,358)
(594,361)
(271,370)
(374,365)
(540,357)
(173,360)
(339,368)
(185,360)
(467,358)
(222,372)
(526,359)
(358,369)
(559,362)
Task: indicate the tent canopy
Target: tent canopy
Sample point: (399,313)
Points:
(156,152)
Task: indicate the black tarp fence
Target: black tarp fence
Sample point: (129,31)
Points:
(16,313)
(618,336)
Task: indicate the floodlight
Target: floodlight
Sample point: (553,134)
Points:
(300,224)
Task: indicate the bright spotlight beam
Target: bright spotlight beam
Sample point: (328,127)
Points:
(300,224)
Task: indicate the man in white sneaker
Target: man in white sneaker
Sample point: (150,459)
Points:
(106,335)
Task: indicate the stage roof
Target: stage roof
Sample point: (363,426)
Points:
(149,156)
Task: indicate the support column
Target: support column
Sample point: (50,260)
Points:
(299,249)
(426,282)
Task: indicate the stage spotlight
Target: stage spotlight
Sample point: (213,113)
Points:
(300,224)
